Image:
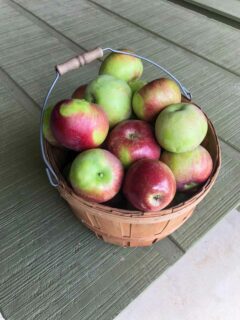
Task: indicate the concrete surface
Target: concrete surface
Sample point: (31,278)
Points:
(203,284)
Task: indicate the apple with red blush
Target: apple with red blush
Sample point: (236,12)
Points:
(191,168)
(132,140)
(78,124)
(96,175)
(153,97)
(149,185)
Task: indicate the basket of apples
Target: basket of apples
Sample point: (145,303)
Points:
(132,159)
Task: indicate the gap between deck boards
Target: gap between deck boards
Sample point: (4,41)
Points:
(155,34)
(27,102)
(206,11)
(75,46)
(72,45)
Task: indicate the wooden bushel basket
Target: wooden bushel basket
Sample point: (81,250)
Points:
(129,228)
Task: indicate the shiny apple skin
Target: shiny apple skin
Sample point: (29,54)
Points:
(132,140)
(155,96)
(191,168)
(181,127)
(113,95)
(96,175)
(121,66)
(78,124)
(149,185)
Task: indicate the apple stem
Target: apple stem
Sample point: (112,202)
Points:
(100,174)
(132,136)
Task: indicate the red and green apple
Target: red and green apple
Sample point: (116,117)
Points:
(190,168)
(132,140)
(78,124)
(149,185)
(155,96)
(96,175)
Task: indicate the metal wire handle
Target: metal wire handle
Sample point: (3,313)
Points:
(53,179)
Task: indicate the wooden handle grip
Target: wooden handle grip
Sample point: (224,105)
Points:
(79,61)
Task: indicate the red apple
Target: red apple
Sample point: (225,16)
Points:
(79,92)
(154,96)
(132,140)
(189,168)
(149,185)
(96,175)
(78,124)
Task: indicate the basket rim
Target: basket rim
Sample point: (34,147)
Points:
(68,193)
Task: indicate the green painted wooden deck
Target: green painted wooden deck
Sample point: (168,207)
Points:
(51,266)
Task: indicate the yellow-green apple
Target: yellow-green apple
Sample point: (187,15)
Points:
(181,127)
(47,131)
(79,93)
(122,66)
(132,140)
(136,85)
(155,96)
(190,168)
(149,185)
(113,95)
(96,175)
(78,124)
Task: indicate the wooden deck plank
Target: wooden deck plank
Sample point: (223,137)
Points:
(206,37)
(229,9)
(51,266)
(29,54)
(214,88)
(72,32)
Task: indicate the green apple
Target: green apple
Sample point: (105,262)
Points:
(47,131)
(136,85)
(113,95)
(122,66)
(181,127)
(96,175)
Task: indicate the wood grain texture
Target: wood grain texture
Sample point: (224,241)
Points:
(29,54)
(51,266)
(229,9)
(210,39)
(224,196)
(214,88)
